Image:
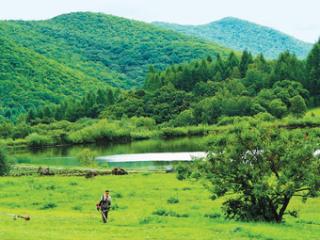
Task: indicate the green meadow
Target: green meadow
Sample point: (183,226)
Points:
(145,206)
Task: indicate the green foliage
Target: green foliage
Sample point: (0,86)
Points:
(183,170)
(264,168)
(312,82)
(173,200)
(87,157)
(246,59)
(169,132)
(298,106)
(164,212)
(241,35)
(88,106)
(288,66)
(4,163)
(102,131)
(49,205)
(30,80)
(185,118)
(37,140)
(277,108)
(108,48)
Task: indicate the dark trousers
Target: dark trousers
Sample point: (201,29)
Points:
(104,214)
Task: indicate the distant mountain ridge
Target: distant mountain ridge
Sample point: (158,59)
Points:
(43,62)
(240,35)
(112,49)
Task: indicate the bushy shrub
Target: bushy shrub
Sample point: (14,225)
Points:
(264,116)
(101,131)
(37,140)
(173,200)
(184,118)
(87,157)
(143,134)
(225,120)
(49,205)
(77,208)
(200,130)
(173,132)
(298,106)
(183,171)
(143,122)
(212,215)
(277,108)
(164,212)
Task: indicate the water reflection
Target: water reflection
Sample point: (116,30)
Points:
(66,156)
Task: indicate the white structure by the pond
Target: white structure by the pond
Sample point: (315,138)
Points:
(154,157)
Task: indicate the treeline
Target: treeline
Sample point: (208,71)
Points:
(72,110)
(205,91)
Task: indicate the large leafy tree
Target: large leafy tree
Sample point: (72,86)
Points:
(264,169)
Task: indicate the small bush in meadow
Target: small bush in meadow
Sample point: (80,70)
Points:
(164,212)
(77,208)
(150,219)
(51,187)
(212,215)
(173,200)
(183,171)
(117,195)
(49,205)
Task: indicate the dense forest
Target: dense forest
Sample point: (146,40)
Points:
(52,61)
(206,90)
(68,56)
(58,82)
(243,35)
(111,49)
(29,80)
(196,94)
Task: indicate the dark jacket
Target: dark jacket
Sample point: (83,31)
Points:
(105,203)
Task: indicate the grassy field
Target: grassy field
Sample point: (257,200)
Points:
(64,208)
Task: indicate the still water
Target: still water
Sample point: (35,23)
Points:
(148,154)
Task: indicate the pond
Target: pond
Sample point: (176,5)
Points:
(148,154)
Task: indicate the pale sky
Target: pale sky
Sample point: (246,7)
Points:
(299,18)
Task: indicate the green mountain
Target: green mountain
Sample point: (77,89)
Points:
(243,35)
(111,49)
(46,61)
(28,79)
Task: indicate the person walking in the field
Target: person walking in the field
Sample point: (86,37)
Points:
(104,206)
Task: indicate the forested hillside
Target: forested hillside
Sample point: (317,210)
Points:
(111,49)
(211,91)
(50,68)
(29,80)
(243,35)
(195,96)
